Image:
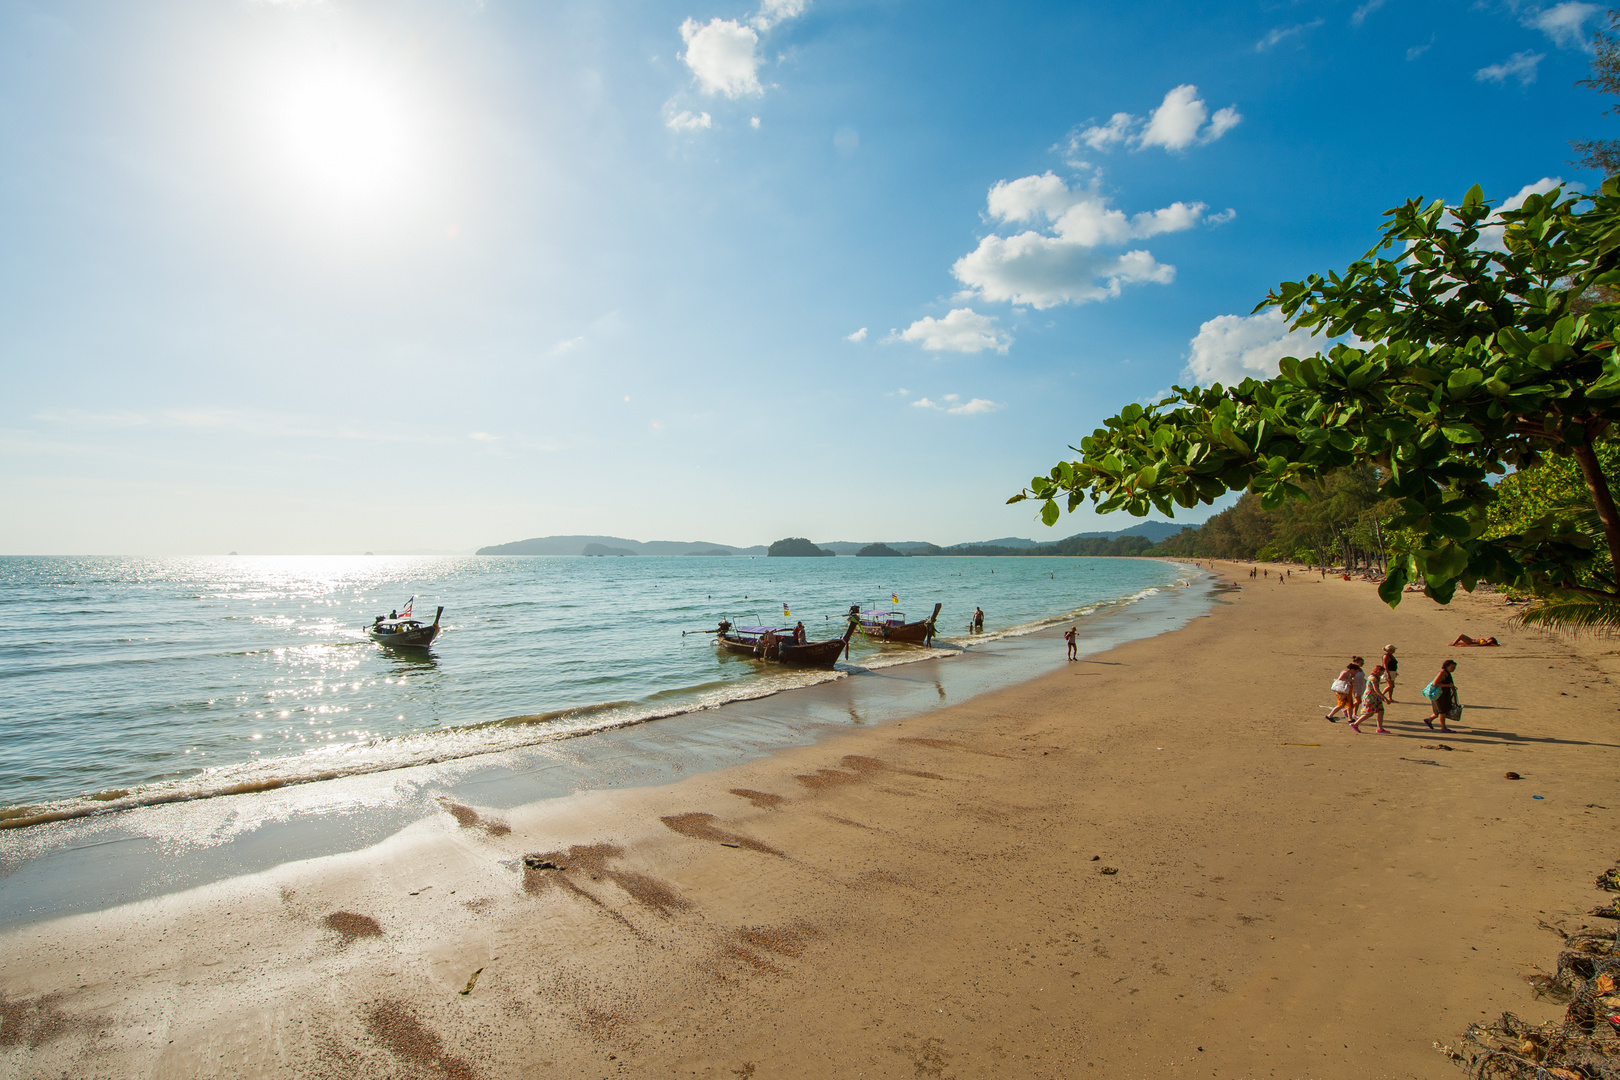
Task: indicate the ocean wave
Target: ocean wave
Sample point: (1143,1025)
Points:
(448,744)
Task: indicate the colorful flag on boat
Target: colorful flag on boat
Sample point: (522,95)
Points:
(405,614)
(894,598)
(785,614)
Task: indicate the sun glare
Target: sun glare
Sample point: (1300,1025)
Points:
(340,132)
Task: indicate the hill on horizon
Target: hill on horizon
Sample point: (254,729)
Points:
(577,545)
(1153,531)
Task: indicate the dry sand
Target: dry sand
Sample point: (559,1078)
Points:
(929,898)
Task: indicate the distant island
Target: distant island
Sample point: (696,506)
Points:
(797,547)
(603,549)
(1143,538)
(576,545)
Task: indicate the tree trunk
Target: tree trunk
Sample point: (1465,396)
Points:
(1598,485)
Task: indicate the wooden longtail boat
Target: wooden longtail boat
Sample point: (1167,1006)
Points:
(404,633)
(776,643)
(880,625)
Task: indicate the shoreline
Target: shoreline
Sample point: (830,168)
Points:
(176,842)
(925,896)
(490,735)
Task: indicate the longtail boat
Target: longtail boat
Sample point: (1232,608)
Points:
(776,643)
(404,633)
(879,624)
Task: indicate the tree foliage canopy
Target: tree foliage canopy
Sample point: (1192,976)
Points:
(1458,364)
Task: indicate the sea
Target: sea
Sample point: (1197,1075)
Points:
(127,681)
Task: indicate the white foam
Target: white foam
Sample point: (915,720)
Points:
(444,745)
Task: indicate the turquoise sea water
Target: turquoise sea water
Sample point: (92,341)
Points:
(140,679)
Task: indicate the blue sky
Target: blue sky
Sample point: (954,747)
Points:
(430,274)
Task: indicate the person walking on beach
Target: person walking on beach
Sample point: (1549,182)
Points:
(1445,696)
(1344,690)
(1372,703)
(1389,664)
(1069,637)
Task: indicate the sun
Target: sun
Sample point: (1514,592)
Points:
(338,130)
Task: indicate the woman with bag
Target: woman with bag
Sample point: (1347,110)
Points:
(1344,690)
(1442,694)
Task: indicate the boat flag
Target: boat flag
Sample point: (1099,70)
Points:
(894,598)
(785,614)
(407,612)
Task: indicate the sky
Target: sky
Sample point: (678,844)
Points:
(337,276)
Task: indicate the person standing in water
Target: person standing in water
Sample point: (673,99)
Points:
(978,620)
(1069,637)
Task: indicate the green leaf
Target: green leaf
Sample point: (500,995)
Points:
(1049,513)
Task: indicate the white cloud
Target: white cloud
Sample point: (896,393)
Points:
(567,346)
(1490,236)
(687,121)
(1521,66)
(772,12)
(1565,24)
(1418,50)
(1060,265)
(753,122)
(1282,33)
(724,53)
(721,53)
(975,407)
(1361,13)
(962,330)
(483,436)
(1176,124)
(1116,131)
(1231,348)
(953,404)
(858,336)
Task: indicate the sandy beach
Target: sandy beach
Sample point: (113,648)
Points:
(1159,861)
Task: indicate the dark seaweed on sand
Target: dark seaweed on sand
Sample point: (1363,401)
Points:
(1585,1044)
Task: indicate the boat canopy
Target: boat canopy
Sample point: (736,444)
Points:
(755,631)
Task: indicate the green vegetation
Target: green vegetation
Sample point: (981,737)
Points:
(1602,154)
(796,547)
(1342,523)
(880,551)
(1074,545)
(1458,364)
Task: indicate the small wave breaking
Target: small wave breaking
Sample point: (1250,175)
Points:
(448,744)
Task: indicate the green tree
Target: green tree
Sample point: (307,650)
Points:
(1467,363)
(1602,155)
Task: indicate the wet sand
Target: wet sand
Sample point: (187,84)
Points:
(928,896)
